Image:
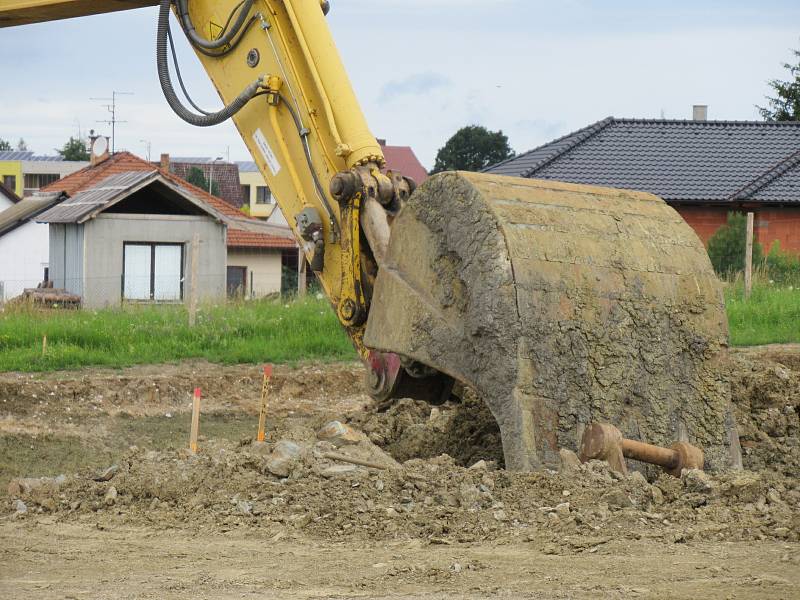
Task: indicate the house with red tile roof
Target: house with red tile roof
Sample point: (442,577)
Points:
(130,231)
(403,159)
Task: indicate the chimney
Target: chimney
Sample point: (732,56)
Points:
(700,112)
(165,162)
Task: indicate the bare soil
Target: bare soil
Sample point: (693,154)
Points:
(231,522)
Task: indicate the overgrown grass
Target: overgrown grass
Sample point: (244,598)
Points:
(252,332)
(770,316)
(275,331)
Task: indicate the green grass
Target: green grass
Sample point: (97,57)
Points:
(274,331)
(251,332)
(770,316)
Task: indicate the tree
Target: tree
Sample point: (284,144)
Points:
(4,145)
(22,146)
(74,149)
(785,106)
(195,176)
(473,148)
(727,246)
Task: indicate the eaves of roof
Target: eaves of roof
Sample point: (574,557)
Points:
(766,178)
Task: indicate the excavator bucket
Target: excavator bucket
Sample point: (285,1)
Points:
(561,305)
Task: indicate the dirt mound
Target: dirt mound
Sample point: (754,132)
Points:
(296,484)
(766,399)
(434,500)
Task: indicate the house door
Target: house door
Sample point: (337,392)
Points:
(237,282)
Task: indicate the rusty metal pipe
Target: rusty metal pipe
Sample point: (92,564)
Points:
(655,455)
(605,442)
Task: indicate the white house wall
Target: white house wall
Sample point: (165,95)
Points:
(24,255)
(264,269)
(106,235)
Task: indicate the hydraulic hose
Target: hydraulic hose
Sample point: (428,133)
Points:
(169,92)
(227,36)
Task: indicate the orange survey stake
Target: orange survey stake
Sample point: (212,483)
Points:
(262,417)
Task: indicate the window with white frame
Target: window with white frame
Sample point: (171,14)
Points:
(152,272)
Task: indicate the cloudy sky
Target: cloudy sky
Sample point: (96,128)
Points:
(424,68)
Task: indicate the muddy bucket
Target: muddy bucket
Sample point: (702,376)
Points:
(561,305)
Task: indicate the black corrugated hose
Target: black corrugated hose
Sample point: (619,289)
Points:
(227,35)
(166,83)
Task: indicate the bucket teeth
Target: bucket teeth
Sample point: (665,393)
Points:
(561,305)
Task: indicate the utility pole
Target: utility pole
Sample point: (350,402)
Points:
(112,108)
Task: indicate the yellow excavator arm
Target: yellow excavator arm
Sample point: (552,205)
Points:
(277,69)
(560,304)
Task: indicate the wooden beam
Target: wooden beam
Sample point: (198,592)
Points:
(748,257)
(24,12)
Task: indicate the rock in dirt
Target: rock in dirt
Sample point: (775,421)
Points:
(108,474)
(111,496)
(616,498)
(569,461)
(696,481)
(339,434)
(20,507)
(746,487)
(245,507)
(338,470)
(24,486)
(563,509)
(283,459)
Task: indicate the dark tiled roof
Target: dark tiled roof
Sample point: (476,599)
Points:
(712,161)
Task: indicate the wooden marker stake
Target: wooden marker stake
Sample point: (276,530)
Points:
(195,421)
(262,417)
(748,257)
(44,345)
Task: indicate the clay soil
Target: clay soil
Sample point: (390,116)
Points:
(230,522)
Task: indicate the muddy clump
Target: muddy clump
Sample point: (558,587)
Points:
(766,399)
(464,430)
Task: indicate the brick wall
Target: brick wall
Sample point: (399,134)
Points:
(226,176)
(771,223)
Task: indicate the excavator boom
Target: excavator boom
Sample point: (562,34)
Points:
(24,12)
(560,304)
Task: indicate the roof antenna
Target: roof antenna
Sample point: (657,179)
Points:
(112,108)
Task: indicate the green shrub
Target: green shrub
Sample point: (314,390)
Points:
(726,248)
(782,267)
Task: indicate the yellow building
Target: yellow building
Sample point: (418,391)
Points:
(255,190)
(25,172)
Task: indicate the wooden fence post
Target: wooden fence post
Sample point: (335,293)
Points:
(195,421)
(193,282)
(302,284)
(748,257)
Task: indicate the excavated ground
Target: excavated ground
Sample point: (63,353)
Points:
(241,519)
